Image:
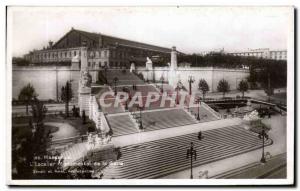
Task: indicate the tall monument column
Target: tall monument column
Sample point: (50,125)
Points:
(149,69)
(173,68)
(84,90)
(83,58)
(174,58)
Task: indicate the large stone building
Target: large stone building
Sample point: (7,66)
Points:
(263,53)
(102,50)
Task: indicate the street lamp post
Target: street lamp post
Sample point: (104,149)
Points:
(141,120)
(115,82)
(198,102)
(162,84)
(263,135)
(178,87)
(191,80)
(191,152)
(126,102)
(147,71)
(105,72)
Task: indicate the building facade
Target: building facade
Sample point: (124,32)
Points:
(102,50)
(265,53)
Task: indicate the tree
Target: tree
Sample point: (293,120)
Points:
(27,94)
(243,87)
(223,86)
(203,87)
(39,111)
(253,78)
(35,143)
(66,96)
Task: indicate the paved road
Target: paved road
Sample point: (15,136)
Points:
(274,168)
(65,130)
(21,109)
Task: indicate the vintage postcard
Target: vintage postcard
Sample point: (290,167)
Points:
(146,95)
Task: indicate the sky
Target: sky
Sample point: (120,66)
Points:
(190,29)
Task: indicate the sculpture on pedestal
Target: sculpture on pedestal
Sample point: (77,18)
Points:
(149,63)
(85,79)
(132,67)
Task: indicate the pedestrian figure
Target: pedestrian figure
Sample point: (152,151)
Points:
(74,111)
(199,135)
(83,117)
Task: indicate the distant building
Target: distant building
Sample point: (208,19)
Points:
(220,51)
(263,53)
(102,50)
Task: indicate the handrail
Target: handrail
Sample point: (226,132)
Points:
(218,115)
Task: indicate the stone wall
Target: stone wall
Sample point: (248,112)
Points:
(211,75)
(47,81)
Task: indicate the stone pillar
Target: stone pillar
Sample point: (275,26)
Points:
(173,68)
(83,58)
(174,58)
(149,69)
(75,63)
(94,75)
(84,95)
(84,92)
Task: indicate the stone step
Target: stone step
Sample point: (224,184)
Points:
(163,157)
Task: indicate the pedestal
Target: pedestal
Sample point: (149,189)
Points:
(84,95)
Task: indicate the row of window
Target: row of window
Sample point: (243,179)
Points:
(249,54)
(274,55)
(259,53)
(278,53)
(101,64)
(64,54)
(94,64)
(121,54)
(278,57)
(98,54)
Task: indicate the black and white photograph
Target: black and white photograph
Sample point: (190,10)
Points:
(150,95)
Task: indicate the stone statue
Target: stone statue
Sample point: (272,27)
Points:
(149,61)
(149,64)
(85,79)
(132,67)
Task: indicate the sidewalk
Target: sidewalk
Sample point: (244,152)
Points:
(51,107)
(256,94)
(258,170)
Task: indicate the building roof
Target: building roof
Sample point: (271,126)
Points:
(114,41)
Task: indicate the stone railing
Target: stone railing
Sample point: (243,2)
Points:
(219,116)
(104,122)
